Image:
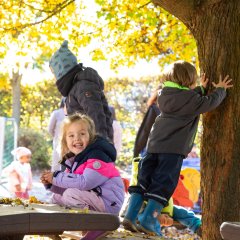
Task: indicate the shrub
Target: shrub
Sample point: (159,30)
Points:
(40,147)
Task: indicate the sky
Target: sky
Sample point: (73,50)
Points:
(141,69)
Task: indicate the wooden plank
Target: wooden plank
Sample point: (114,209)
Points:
(73,222)
(14,223)
(51,218)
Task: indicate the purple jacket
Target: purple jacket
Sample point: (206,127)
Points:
(93,169)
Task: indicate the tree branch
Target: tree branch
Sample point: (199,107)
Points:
(186,10)
(55,11)
(145,4)
(36,9)
(181,9)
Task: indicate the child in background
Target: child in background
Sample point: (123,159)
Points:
(19,172)
(146,125)
(83,89)
(91,179)
(117,131)
(54,125)
(170,141)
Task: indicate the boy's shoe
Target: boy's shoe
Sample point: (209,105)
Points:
(134,206)
(95,235)
(128,225)
(148,221)
(199,231)
(156,231)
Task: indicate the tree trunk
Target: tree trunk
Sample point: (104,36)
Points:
(215,26)
(218,41)
(16,95)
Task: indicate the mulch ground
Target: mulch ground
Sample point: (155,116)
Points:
(170,233)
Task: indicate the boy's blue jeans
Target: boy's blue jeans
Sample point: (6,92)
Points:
(186,218)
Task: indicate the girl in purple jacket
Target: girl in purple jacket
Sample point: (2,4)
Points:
(91,179)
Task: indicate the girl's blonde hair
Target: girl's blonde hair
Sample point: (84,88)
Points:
(182,73)
(72,119)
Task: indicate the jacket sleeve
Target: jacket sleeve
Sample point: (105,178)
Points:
(54,188)
(95,173)
(95,106)
(144,130)
(15,178)
(117,136)
(52,124)
(29,187)
(200,90)
(207,103)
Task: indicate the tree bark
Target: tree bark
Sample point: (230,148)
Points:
(215,26)
(16,95)
(218,40)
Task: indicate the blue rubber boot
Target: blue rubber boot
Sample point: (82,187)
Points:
(134,206)
(148,221)
(157,225)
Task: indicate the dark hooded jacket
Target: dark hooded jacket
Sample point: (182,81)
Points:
(83,88)
(175,128)
(145,128)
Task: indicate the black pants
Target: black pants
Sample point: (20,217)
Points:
(158,175)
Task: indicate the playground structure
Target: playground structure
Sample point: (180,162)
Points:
(8,141)
(191,180)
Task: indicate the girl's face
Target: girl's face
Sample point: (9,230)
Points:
(25,158)
(77,136)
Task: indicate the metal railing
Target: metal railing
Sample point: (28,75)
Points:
(8,141)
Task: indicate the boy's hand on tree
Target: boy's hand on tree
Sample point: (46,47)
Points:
(225,83)
(204,80)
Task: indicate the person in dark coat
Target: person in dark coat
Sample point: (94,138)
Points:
(146,125)
(83,89)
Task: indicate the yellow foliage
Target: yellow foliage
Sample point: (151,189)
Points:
(131,29)
(4,83)
(97,54)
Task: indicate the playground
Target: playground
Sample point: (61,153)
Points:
(93,56)
(177,231)
(187,195)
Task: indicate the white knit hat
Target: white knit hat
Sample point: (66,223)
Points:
(20,151)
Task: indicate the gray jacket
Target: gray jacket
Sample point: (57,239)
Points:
(175,128)
(84,90)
